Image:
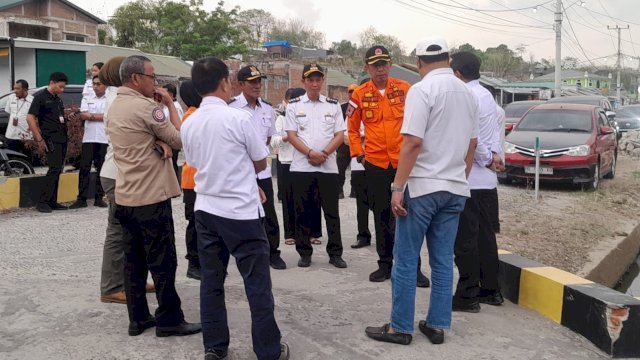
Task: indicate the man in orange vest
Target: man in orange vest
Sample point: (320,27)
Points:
(379,104)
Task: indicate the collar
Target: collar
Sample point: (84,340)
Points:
(212,100)
(473,83)
(440,71)
(305,98)
(125,90)
(243,100)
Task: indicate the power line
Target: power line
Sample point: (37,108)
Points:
(519,12)
(487,10)
(632,44)
(574,35)
(612,18)
(465,7)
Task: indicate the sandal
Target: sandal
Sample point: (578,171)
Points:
(315,241)
(290,241)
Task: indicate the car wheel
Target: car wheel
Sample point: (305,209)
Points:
(593,185)
(612,173)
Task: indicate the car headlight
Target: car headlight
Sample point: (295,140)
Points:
(509,148)
(582,150)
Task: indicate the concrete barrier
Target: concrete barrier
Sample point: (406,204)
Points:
(608,318)
(25,191)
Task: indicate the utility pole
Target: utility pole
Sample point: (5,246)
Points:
(618,62)
(558,28)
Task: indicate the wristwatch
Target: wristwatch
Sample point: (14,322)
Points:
(398,189)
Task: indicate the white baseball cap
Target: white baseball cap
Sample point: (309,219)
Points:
(436,41)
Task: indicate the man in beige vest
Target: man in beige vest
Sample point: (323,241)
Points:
(145,185)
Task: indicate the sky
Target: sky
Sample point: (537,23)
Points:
(482,23)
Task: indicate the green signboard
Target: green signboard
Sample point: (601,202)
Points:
(72,63)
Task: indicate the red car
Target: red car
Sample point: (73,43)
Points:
(577,145)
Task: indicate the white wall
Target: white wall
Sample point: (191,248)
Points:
(25,68)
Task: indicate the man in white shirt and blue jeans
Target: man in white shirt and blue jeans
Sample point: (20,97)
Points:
(440,131)
(476,251)
(225,145)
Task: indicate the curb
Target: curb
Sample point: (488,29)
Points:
(608,318)
(24,192)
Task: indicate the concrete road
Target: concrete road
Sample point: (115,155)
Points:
(50,308)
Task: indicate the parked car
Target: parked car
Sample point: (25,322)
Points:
(597,100)
(72,95)
(513,112)
(628,118)
(577,145)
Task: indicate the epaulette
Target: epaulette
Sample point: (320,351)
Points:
(332,100)
(266,102)
(294,100)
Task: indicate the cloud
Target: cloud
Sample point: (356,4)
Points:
(305,10)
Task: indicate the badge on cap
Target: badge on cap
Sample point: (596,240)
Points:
(378,51)
(158,114)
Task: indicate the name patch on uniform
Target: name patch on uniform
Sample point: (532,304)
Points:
(301,114)
(158,114)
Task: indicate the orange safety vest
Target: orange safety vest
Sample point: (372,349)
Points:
(188,172)
(382,116)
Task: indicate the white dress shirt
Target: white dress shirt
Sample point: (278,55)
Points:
(222,143)
(109,169)
(481,177)
(355,165)
(264,118)
(176,103)
(94,131)
(316,123)
(285,154)
(18,108)
(441,111)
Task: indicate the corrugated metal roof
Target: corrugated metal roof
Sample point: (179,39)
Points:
(339,78)
(164,65)
(569,74)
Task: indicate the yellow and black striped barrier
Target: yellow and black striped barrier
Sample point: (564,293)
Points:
(608,318)
(23,192)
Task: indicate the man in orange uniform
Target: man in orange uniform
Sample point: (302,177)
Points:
(379,104)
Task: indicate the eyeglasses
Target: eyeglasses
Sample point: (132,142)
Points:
(153,76)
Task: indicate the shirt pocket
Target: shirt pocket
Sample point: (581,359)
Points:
(370,112)
(302,122)
(328,124)
(398,111)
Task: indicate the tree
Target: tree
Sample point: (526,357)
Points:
(370,37)
(179,29)
(344,48)
(570,62)
(501,61)
(102,36)
(258,24)
(297,33)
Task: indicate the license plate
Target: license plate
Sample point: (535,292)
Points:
(544,170)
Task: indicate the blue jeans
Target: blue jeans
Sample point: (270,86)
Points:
(436,217)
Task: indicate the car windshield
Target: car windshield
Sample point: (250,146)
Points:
(625,112)
(556,120)
(515,110)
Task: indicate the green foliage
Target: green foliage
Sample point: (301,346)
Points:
(258,25)
(371,37)
(344,48)
(182,29)
(102,36)
(297,33)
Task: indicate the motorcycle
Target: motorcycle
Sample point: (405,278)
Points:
(13,163)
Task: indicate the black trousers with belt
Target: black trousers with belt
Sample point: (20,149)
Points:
(55,159)
(307,187)
(476,250)
(191,235)
(149,246)
(359,186)
(271,225)
(91,153)
(379,192)
(218,238)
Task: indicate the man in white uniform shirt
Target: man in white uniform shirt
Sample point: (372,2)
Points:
(476,251)
(315,128)
(226,147)
(17,107)
(264,118)
(439,135)
(94,144)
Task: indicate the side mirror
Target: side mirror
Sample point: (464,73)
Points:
(508,127)
(610,114)
(605,130)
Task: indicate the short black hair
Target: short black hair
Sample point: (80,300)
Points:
(467,63)
(207,73)
(23,83)
(171,88)
(99,65)
(189,95)
(95,77)
(293,93)
(58,76)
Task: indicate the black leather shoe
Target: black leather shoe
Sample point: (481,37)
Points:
(361,242)
(284,351)
(494,298)
(382,334)
(193,271)
(380,275)
(277,262)
(337,262)
(182,329)
(100,203)
(473,307)
(138,327)
(211,354)
(422,281)
(436,336)
(78,204)
(305,261)
(56,206)
(43,208)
